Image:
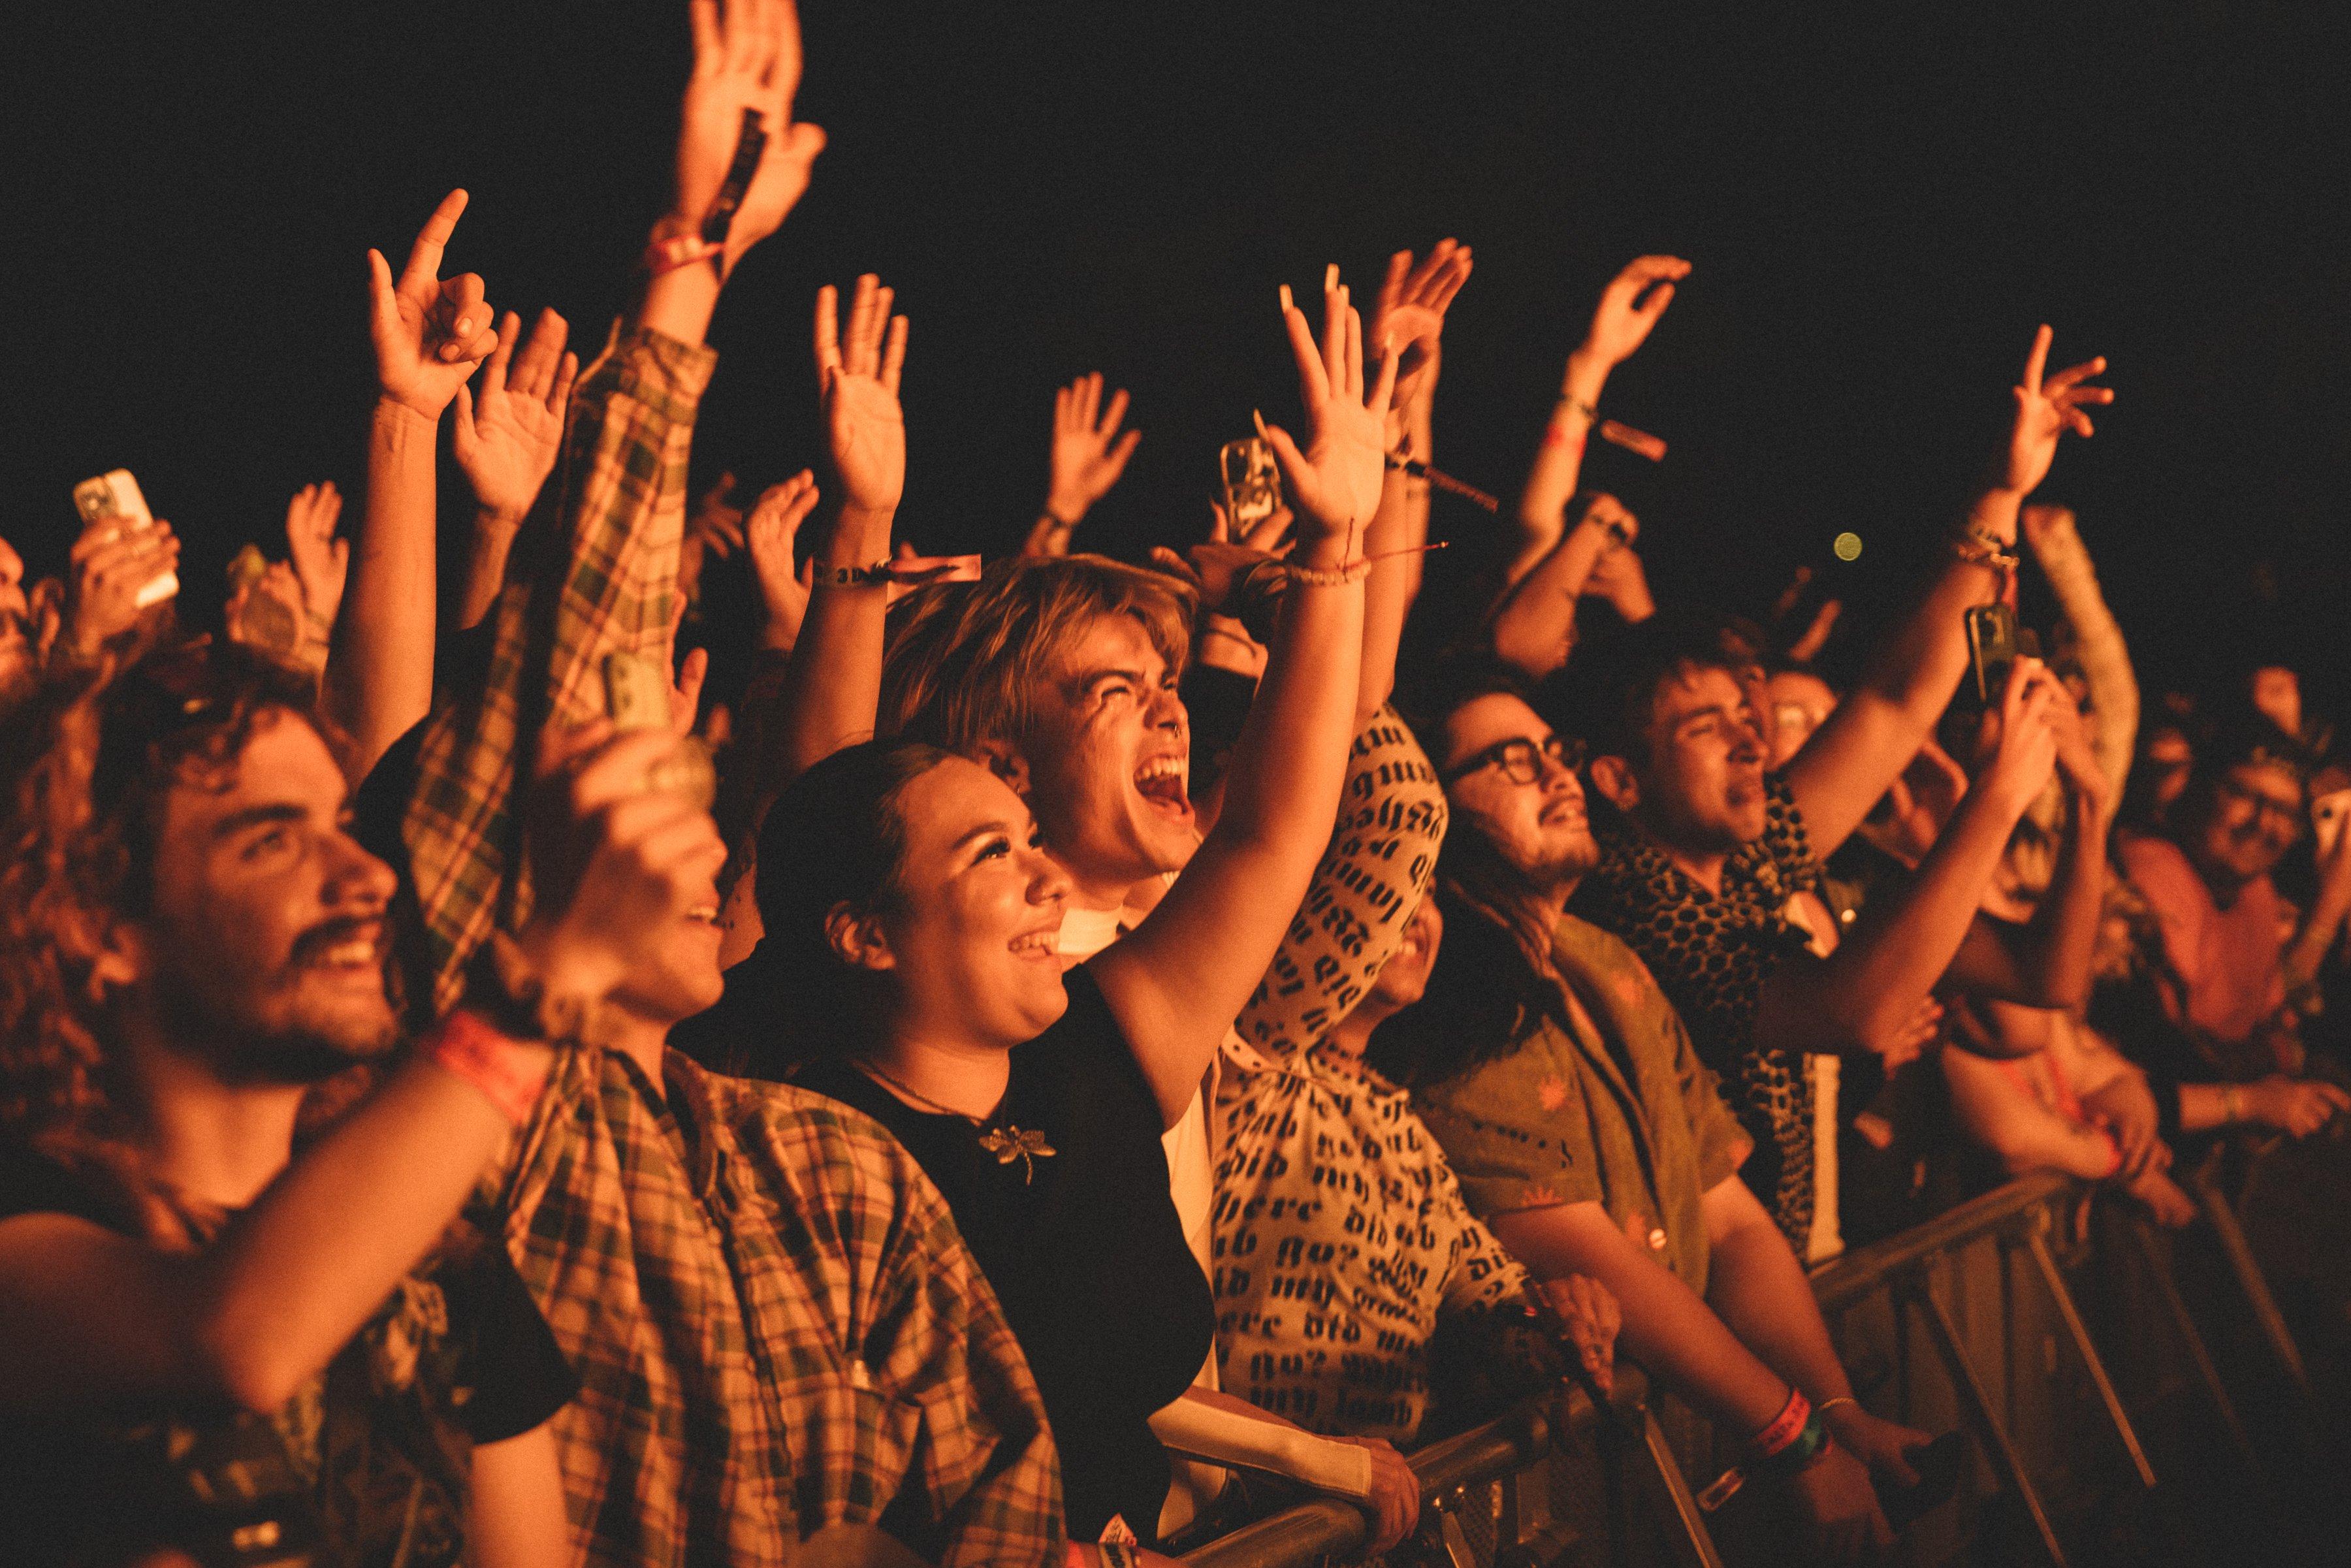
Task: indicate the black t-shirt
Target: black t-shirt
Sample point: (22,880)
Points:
(458,1354)
(1083,1246)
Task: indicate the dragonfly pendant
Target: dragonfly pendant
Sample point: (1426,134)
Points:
(1010,1143)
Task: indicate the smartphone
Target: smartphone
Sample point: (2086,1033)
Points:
(2328,814)
(1252,484)
(1992,649)
(113,497)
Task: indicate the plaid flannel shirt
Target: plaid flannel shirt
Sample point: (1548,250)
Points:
(775,1324)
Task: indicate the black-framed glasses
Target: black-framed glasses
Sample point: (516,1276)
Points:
(1520,759)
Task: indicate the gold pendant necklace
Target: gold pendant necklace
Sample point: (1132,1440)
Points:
(1007,1143)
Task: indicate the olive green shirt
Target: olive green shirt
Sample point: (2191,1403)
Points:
(1629,1120)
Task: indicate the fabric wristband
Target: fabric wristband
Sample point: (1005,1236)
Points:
(510,1073)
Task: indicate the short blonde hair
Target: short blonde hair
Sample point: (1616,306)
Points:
(966,660)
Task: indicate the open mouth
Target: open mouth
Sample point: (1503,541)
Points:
(707,913)
(1161,782)
(349,948)
(1044,943)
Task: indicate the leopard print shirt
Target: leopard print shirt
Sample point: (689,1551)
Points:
(1712,954)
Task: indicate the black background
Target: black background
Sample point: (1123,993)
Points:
(1880,206)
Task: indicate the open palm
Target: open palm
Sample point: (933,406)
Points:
(857,376)
(1335,481)
(507,437)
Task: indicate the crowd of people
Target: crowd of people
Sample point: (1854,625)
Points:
(1034,1061)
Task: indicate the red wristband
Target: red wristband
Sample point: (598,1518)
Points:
(510,1073)
(1785,1427)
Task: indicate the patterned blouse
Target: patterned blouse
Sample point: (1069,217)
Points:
(1712,954)
(1342,1238)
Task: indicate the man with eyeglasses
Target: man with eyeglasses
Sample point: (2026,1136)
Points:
(1587,1136)
(2206,874)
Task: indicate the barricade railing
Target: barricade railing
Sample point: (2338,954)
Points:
(1487,1498)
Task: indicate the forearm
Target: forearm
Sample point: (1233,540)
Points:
(378,678)
(1885,965)
(1667,1327)
(1558,460)
(1178,983)
(1757,1287)
(1536,618)
(1387,591)
(2099,644)
(2306,953)
(486,566)
(2063,939)
(1048,536)
(680,302)
(833,688)
(288,1282)
(2017,1130)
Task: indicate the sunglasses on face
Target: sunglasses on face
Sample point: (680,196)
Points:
(1520,759)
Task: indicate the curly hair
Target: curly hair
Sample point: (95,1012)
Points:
(86,768)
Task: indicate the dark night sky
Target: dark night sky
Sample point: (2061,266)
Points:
(1879,208)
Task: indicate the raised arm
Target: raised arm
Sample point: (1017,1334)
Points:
(1408,324)
(834,686)
(321,564)
(1088,456)
(88,1314)
(1178,981)
(606,580)
(1862,996)
(1629,307)
(506,443)
(429,335)
(1876,729)
(2047,964)
(2056,543)
(1534,626)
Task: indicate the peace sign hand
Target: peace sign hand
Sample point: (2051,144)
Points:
(429,334)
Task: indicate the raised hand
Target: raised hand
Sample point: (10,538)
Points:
(1335,482)
(857,377)
(1629,307)
(506,438)
(772,529)
(2045,410)
(321,561)
(1409,320)
(1089,454)
(2023,735)
(110,565)
(715,527)
(746,56)
(429,334)
(612,863)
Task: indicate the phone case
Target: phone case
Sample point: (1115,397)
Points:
(114,495)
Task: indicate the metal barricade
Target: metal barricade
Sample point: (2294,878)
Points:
(1491,1498)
